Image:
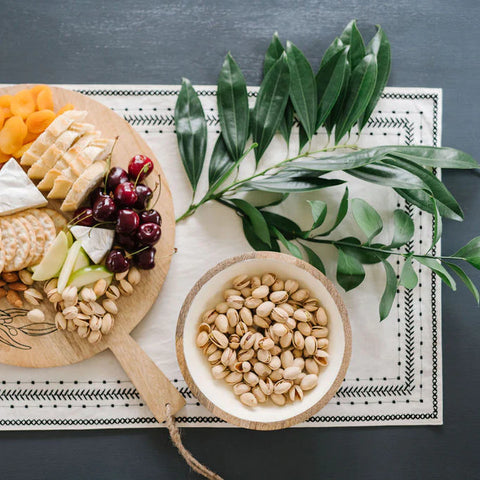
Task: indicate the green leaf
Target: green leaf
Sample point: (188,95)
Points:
(437,189)
(359,93)
(319,212)
(191,129)
(403,229)
(314,259)
(380,47)
(276,202)
(438,268)
(466,280)
(274,52)
(471,252)
(350,272)
(388,296)
(443,157)
(302,138)
(437,224)
(387,176)
(342,212)
(220,162)
(352,36)
(286,124)
(303,89)
(256,218)
(288,227)
(408,277)
(270,105)
(329,80)
(255,242)
(337,109)
(291,247)
(363,255)
(367,218)
(283,183)
(335,47)
(232,103)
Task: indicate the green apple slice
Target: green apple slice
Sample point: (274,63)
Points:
(81,261)
(53,260)
(88,275)
(68,266)
(70,239)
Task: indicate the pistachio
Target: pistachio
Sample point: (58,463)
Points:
(83,331)
(277,286)
(233,317)
(300,295)
(286,358)
(311,305)
(257,336)
(233,378)
(266,386)
(264,309)
(85,308)
(126,288)
(218,371)
(229,357)
(222,307)
(276,375)
(266,344)
(95,336)
(262,370)
(298,341)
(264,356)
(53,296)
(297,353)
(242,281)
(321,357)
(279,329)
(291,323)
(235,301)
(248,399)
(308,382)
(261,321)
(50,285)
(246,316)
(110,306)
(209,316)
(287,308)
(134,276)
(310,345)
(97,308)
(71,327)
(215,357)
(247,341)
(299,362)
(107,323)
(36,315)
(70,312)
(311,366)
(279,315)
(278,399)
(291,373)
(281,296)
(275,363)
(241,329)
(320,332)
(291,286)
(282,386)
(286,340)
(250,378)
(219,339)
(80,322)
(246,292)
(242,367)
(302,315)
(229,292)
(25,277)
(295,393)
(121,275)
(245,355)
(255,282)
(321,317)
(88,295)
(70,296)
(113,293)
(322,342)
(32,296)
(276,350)
(60,321)
(241,388)
(268,279)
(261,292)
(202,339)
(101,285)
(208,349)
(252,303)
(221,323)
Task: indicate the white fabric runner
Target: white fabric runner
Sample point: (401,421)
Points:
(395,375)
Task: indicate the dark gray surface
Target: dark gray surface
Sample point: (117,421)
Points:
(435,44)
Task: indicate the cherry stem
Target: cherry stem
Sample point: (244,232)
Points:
(159,187)
(144,169)
(109,164)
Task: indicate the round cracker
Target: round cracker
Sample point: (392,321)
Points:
(33,240)
(9,239)
(23,246)
(39,237)
(47,224)
(58,219)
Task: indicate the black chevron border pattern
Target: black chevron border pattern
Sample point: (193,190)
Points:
(96,394)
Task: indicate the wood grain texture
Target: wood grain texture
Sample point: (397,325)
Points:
(228,417)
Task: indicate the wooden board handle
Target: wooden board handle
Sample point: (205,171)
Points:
(152,385)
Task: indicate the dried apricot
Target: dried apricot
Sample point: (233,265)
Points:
(45,99)
(31,137)
(37,122)
(12,135)
(4,158)
(19,153)
(22,104)
(37,89)
(65,108)
(2,117)
(5,100)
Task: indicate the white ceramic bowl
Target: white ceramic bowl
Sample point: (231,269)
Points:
(217,395)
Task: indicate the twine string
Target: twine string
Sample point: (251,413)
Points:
(189,458)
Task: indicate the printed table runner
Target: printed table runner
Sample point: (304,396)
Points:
(395,374)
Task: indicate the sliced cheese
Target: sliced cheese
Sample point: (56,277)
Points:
(96,242)
(17,191)
(84,184)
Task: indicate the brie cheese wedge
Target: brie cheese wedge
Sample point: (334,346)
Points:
(17,191)
(96,242)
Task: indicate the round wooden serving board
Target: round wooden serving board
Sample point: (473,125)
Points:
(65,348)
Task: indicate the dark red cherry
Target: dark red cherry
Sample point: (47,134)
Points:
(140,166)
(97,193)
(115,177)
(117,261)
(83,216)
(125,195)
(104,209)
(149,233)
(144,194)
(150,216)
(145,259)
(127,221)
(126,241)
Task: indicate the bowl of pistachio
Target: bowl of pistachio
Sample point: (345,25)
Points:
(263,340)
